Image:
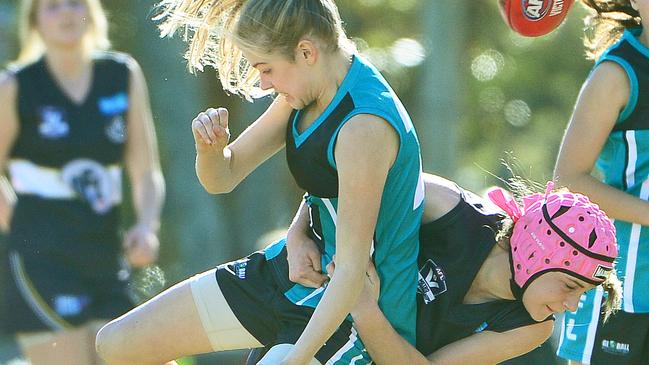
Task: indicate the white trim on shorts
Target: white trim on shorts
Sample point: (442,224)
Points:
(277,353)
(221,326)
(30,294)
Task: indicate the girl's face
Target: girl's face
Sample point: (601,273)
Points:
(553,292)
(291,79)
(62,22)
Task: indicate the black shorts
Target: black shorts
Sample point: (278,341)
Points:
(254,289)
(47,292)
(622,340)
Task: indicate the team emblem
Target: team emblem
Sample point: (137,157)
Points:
(116,130)
(92,183)
(53,124)
(432,281)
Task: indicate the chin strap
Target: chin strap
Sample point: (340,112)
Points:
(516,290)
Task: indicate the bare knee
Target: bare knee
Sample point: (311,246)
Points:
(112,345)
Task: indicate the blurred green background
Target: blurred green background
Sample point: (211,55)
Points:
(476,92)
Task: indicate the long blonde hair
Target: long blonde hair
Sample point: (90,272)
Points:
(218,30)
(31,43)
(606,23)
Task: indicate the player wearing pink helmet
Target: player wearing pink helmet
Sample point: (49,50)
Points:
(486,278)
(558,232)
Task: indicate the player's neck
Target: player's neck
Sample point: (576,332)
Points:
(492,281)
(338,66)
(69,63)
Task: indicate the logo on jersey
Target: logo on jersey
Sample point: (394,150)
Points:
(614,347)
(537,9)
(53,124)
(432,281)
(239,268)
(114,104)
(116,130)
(92,183)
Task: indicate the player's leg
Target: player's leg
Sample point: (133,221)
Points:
(92,328)
(189,318)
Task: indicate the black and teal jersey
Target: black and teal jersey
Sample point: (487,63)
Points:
(66,161)
(310,156)
(452,251)
(624,164)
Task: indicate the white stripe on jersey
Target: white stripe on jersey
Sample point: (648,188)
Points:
(592,325)
(313,294)
(632,256)
(30,178)
(632,156)
(419,190)
(331,210)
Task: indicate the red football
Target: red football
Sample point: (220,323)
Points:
(533,18)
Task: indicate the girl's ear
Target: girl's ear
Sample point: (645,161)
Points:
(307,51)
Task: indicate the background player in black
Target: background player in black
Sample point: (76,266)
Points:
(470,310)
(71,117)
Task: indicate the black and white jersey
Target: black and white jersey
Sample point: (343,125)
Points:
(66,162)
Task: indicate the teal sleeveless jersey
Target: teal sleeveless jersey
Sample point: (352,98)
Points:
(624,164)
(310,156)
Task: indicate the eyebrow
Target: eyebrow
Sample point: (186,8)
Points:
(259,63)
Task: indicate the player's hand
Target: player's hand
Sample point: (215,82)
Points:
(141,246)
(210,130)
(304,260)
(7,202)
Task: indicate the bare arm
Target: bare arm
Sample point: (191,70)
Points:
(487,347)
(595,114)
(366,149)
(8,133)
(145,175)
(220,166)
(387,347)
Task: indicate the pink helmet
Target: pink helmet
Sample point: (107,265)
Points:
(559,231)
